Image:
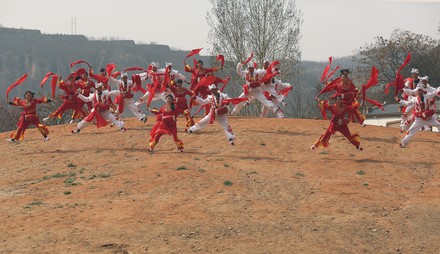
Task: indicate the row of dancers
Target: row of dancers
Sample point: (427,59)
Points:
(92,101)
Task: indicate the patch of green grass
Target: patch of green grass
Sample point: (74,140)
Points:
(71,165)
(36,202)
(70,181)
(82,170)
(67,192)
(366,184)
(299,174)
(227,183)
(92,187)
(181,168)
(104,175)
(72,173)
(360,172)
(323,152)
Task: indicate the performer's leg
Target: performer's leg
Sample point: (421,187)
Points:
(136,111)
(200,124)
(223,121)
(323,141)
(354,139)
(415,127)
(109,117)
(19,133)
(240,105)
(189,119)
(143,99)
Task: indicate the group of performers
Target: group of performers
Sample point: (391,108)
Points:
(96,101)
(92,98)
(418,99)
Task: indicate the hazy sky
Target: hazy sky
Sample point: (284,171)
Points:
(331,27)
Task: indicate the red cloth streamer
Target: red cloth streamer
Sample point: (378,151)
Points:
(78,62)
(221,58)
(46,77)
(331,74)
(326,70)
(53,84)
(109,68)
(286,90)
(135,68)
(249,58)
(80,72)
(16,83)
(225,82)
(234,101)
(371,82)
(375,103)
(330,86)
(206,81)
(193,53)
(399,82)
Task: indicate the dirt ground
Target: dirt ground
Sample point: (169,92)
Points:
(100,191)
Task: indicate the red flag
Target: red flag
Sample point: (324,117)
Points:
(249,58)
(193,53)
(326,69)
(16,83)
(78,62)
(221,58)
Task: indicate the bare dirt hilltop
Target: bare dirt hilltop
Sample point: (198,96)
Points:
(101,192)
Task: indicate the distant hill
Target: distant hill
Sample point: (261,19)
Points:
(30,51)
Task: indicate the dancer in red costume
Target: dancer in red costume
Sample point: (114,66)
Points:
(182,103)
(197,73)
(28,116)
(166,124)
(337,123)
(70,100)
(86,86)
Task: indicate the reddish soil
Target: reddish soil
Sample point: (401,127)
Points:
(101,192)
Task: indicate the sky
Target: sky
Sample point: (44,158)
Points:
(331,27)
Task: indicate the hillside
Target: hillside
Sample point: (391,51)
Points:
(102,192)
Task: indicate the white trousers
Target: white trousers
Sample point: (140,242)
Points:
(256,94)
(108,116)
(129,103)
(222,120)
(417,125)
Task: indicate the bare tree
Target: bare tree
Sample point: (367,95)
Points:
(269,28)
(388,55)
